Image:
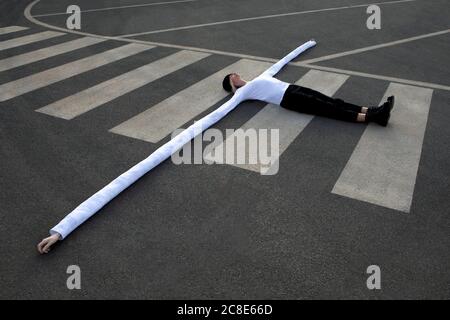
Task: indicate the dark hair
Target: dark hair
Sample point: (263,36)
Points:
(226,83)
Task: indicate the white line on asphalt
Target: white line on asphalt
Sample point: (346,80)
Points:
(11,29)
(117,7)
(31,38)
(35,81)
(289,123)
(378,46)
(383,167)
(37,55)
(86,100)
(163,118)
(260,18)
(375,76)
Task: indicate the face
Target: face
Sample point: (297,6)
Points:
(235,81)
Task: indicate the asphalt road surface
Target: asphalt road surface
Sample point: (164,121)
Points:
(79,108)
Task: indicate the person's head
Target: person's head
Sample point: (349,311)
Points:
(232,82)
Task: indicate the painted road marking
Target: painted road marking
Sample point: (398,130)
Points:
(86,100)
(279,15)
(18,87)
(37,55)
(10,29)
(117,7)
(163,118)
(378,46)
(289,123)
(383,167)
(17,42)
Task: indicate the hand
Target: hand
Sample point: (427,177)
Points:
(45,244)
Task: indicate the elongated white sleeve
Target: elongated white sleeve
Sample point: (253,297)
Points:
(273,70)
(90,206)
(93,204)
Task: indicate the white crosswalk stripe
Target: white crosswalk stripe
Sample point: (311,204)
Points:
(11,29)
(289,123)
(18,87)
(383,167)
(162,119)
(21,41)
(93,97)
(37,55)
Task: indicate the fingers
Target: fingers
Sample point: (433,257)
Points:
(44,245)
(46,248)
(41,246)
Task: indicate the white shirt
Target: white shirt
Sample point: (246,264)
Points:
(263,87)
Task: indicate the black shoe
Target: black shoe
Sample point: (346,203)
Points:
(389,104)
(380,115)
(383,117)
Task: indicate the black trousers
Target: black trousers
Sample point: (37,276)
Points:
(306,100)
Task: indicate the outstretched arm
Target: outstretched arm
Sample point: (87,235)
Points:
(90,206)
(273,70)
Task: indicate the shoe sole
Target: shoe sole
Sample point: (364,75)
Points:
(391,101)
(385,123)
